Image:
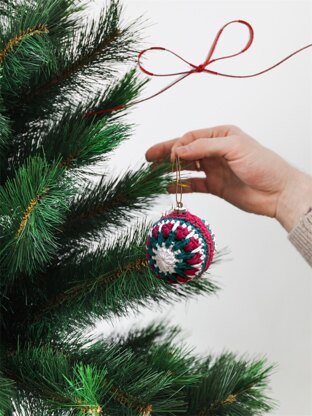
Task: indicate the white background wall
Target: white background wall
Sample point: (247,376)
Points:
(265,303)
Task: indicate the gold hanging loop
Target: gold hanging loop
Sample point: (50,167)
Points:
(176,165)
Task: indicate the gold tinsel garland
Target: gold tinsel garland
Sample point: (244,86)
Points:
(20,37)
(28,211)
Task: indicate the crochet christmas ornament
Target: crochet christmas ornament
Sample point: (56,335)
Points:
(180,247)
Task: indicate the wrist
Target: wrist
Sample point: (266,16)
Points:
(295,199)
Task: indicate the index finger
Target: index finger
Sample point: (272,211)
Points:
(207,133)
(160,150)
(167,148)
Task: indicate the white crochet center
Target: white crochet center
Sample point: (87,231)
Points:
(165,258)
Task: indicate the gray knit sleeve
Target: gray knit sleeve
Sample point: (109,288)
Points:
(301,237)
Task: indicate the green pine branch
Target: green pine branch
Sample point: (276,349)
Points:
(226,385)
(158,342)
(87,59)
(140,340)
(28,43)
(32,206)
(58,66)
(105,205)
(110,281)
(75,141)
(117,382)
(78,139)
(231,386)
(100,375)
(118,94)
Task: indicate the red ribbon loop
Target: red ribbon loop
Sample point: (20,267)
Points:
(202,67)
(198,68)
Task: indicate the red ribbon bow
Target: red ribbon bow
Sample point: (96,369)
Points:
(198,68)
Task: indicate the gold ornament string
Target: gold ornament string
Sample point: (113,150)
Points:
(179,185)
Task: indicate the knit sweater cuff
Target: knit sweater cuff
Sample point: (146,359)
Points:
(301,237)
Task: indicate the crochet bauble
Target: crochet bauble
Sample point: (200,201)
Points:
(180,247)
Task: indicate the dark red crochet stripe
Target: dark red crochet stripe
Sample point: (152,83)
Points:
(194,219)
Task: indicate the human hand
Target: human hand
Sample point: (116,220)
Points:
(241,171)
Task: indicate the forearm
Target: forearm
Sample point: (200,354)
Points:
(295,201)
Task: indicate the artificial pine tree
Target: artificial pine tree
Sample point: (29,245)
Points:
(55,282)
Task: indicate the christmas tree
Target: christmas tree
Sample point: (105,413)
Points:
(67,255)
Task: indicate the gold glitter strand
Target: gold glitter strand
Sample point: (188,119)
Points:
(20,37)
(92,410)
(135,265)
(105,279)
(230,399)
(129,401)
(28,212)
(147,410)
(216,405)
(121,397)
